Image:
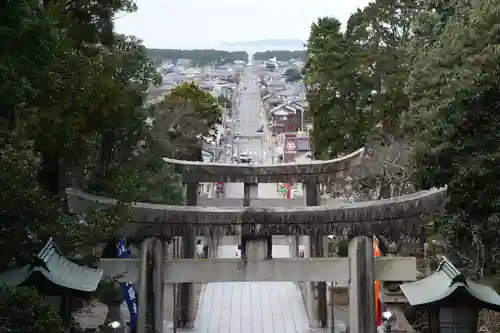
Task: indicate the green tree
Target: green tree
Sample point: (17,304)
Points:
(453,91)
(205,106)
(382,30)
(23,310)
(356,78)
(71,115)
(60,87)
(334,92)
(185,104)
(224,102)
(292,74)
(64,99)
(356,93)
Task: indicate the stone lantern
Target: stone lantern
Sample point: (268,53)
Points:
(451,300)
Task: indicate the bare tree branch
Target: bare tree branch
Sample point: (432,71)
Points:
(386,172)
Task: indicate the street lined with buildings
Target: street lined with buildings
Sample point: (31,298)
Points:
(251,307)
(254,307)
(248,139)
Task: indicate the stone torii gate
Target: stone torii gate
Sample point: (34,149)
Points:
(388,217)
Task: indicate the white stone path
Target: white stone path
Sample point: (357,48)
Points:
(251,307)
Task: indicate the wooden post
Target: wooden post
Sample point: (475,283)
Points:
(174,308)
(316,291)
(143,284)
(249,190)
(187,297)
(158,285)
(213,243)
(293,244)
(321,286)
(259,243)
(332,308)
(361,288)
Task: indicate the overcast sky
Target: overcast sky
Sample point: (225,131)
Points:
(207,23)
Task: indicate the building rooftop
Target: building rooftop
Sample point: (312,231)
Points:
(447,285)
(50,265)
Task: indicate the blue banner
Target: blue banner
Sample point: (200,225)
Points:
(128,288)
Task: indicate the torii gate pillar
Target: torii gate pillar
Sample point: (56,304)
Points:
(187,297)
(316,291)
(254,247)
(361,288)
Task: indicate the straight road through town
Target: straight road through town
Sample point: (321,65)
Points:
(251,307)
(248,120)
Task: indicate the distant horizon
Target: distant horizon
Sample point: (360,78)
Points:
(220,49)
(264,40)
(194,24)
(245,45)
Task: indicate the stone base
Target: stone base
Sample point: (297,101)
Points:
(340,296)
(401,325)
(187,326)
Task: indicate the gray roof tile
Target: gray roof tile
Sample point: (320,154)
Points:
(53,266)
(444,283)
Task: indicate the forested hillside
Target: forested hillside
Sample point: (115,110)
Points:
(198,57)
(281,55)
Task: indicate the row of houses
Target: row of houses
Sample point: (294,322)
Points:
(219,81)
(205,77)
(285,107)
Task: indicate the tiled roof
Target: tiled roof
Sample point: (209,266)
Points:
(54,267)
(446,282)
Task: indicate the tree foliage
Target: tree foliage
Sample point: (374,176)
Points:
(23,310)
(186,115)
(71,114)
(71,117)
(416,82)
(355,81)
(204,105)
(280,55)
(453,89)
(292,74)
(198,57)
(356,78)
(224,102)
(337,102)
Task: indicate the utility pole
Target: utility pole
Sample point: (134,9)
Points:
(262,138)
(224,120)
(234,113)
(273,148)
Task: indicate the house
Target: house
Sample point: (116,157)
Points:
(293,146)
(287,117)
(183,62)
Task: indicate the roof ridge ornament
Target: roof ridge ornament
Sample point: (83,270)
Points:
(42,258)
(48,250)
(453,273)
